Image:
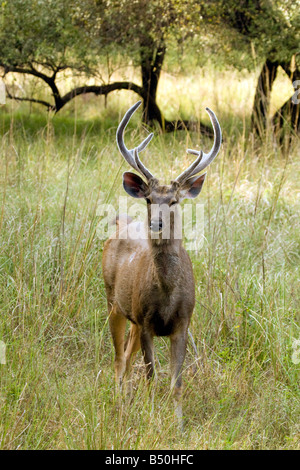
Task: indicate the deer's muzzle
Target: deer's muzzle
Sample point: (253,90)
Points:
(156,225)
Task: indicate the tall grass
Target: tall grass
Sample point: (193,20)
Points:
(57,386)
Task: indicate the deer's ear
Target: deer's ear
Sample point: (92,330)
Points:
(134,185)
(192,187)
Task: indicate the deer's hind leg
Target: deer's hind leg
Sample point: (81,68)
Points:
(117,325)
(178,351)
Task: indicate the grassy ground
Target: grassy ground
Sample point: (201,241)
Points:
(57,386)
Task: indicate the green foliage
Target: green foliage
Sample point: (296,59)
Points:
(134,26)
(272,27)
(57,33)
(42,32)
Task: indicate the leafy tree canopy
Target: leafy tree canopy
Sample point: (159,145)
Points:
(42,32)
(271,26)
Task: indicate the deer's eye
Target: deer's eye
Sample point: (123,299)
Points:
(173,203)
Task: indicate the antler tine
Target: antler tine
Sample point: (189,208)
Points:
(204,159)
(129,155)
(141,167)
(186,173)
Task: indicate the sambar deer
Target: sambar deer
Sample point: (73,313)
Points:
(149,281)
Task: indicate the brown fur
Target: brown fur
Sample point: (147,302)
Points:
(150,283)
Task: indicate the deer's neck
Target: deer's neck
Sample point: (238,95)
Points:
(166,263)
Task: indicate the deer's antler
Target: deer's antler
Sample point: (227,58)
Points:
(132,156)
(203,159)
(201,162)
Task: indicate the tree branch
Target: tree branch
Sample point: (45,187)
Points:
(32,100)
(100,90)
(36,73)
(29,71)
(61,101)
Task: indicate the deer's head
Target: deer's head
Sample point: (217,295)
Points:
(162,200)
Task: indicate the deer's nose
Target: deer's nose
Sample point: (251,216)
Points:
(156,225)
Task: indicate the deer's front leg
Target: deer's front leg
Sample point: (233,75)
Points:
(146,340)
(178,350)
(132,345)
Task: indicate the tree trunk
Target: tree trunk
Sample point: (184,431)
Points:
(152,57)
(262,96)
(287,118)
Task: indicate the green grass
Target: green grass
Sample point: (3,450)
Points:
(57,386)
